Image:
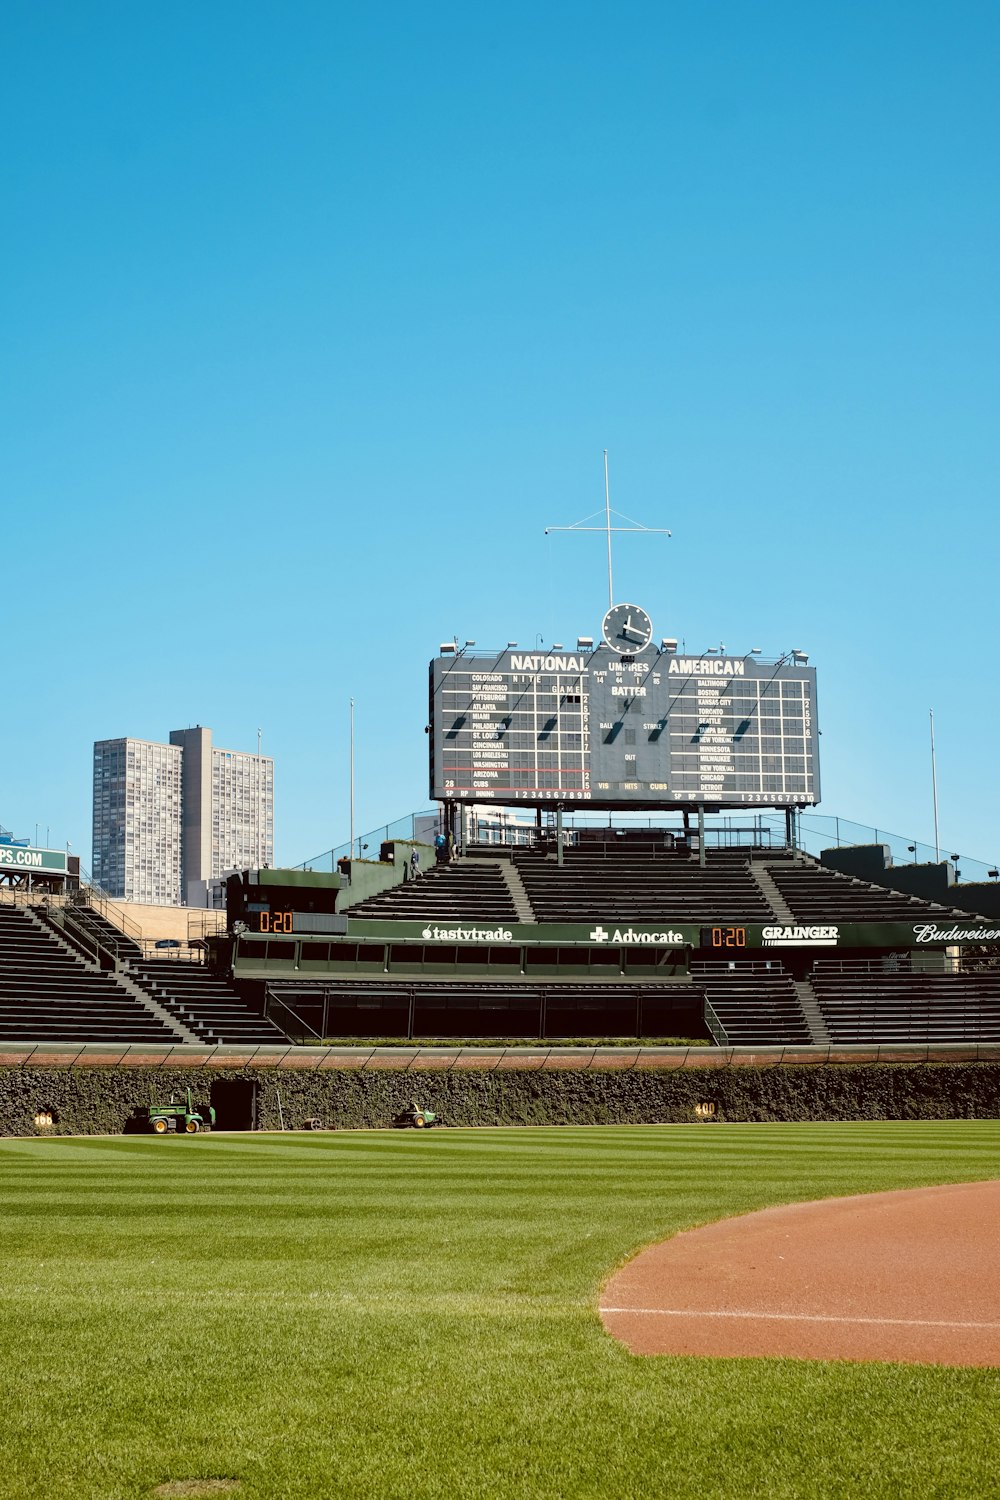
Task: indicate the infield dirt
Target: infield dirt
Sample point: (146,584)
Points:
(910,1277)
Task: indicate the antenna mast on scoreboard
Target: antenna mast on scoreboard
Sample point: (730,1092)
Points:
(607,528)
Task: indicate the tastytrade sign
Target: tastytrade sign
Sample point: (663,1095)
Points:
(467,934)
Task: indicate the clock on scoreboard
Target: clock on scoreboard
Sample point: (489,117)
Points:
(627,629)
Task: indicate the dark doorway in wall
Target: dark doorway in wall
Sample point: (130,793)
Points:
(235,1103)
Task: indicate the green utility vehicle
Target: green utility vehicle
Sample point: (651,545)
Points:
(180,1117)
(415,1117)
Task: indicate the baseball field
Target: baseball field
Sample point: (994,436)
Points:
(415,1314)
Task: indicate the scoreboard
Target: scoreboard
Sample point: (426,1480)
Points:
(642,730)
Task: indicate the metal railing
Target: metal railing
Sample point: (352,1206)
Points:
(814,832)
(205,924)
(715,1026)
(98,947)
(62,921)
(17,896)
(906,963)
(183,953)
(707,968)
(90,894)
(273,1002)
(366,845)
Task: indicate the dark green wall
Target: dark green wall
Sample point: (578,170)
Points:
(94,1100)
(866,861)
(931,882)
(369,877)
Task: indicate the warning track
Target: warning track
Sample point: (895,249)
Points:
(912,1277)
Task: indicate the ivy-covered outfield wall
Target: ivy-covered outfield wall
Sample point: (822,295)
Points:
(97,1100)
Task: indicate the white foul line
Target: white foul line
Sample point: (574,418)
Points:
(693,1312)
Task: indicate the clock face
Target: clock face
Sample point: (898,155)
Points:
(627,629)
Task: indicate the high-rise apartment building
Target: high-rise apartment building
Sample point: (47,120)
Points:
(167,818)
(137,820)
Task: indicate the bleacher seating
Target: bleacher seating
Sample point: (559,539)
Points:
(47,994)
(472,890)
(755,1005)
(204,1002)
(885,1007)
(815,894)
(636,884)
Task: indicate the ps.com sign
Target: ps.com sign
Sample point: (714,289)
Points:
(26,860)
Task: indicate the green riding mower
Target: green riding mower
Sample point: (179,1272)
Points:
(183,1118)
(416,1118)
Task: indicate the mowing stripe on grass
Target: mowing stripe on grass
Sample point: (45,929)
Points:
(386,1316)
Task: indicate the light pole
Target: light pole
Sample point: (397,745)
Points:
(937,837)
(352,778)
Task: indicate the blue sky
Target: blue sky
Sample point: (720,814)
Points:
(316,315)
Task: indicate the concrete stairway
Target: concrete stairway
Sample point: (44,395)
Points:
(818,1030)
(519,896)
(762,878)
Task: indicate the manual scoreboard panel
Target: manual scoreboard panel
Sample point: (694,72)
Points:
(623,730)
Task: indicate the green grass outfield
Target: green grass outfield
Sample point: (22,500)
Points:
(400,1314)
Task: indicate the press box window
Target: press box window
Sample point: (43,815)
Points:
(280,951)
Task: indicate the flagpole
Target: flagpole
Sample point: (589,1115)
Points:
(607,522)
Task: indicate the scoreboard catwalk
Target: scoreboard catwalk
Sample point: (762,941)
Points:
(619,730)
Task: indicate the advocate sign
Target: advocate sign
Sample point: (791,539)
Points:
(27,860)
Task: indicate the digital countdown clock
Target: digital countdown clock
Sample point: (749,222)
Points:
(723,937)
(271,921)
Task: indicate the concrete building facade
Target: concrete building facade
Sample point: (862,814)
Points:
(168,818)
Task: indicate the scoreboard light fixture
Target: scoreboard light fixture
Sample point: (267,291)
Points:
(669,645)
(800,658)
(557,646)
(468,644)
(511,645)
(584,642)
(446,648)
